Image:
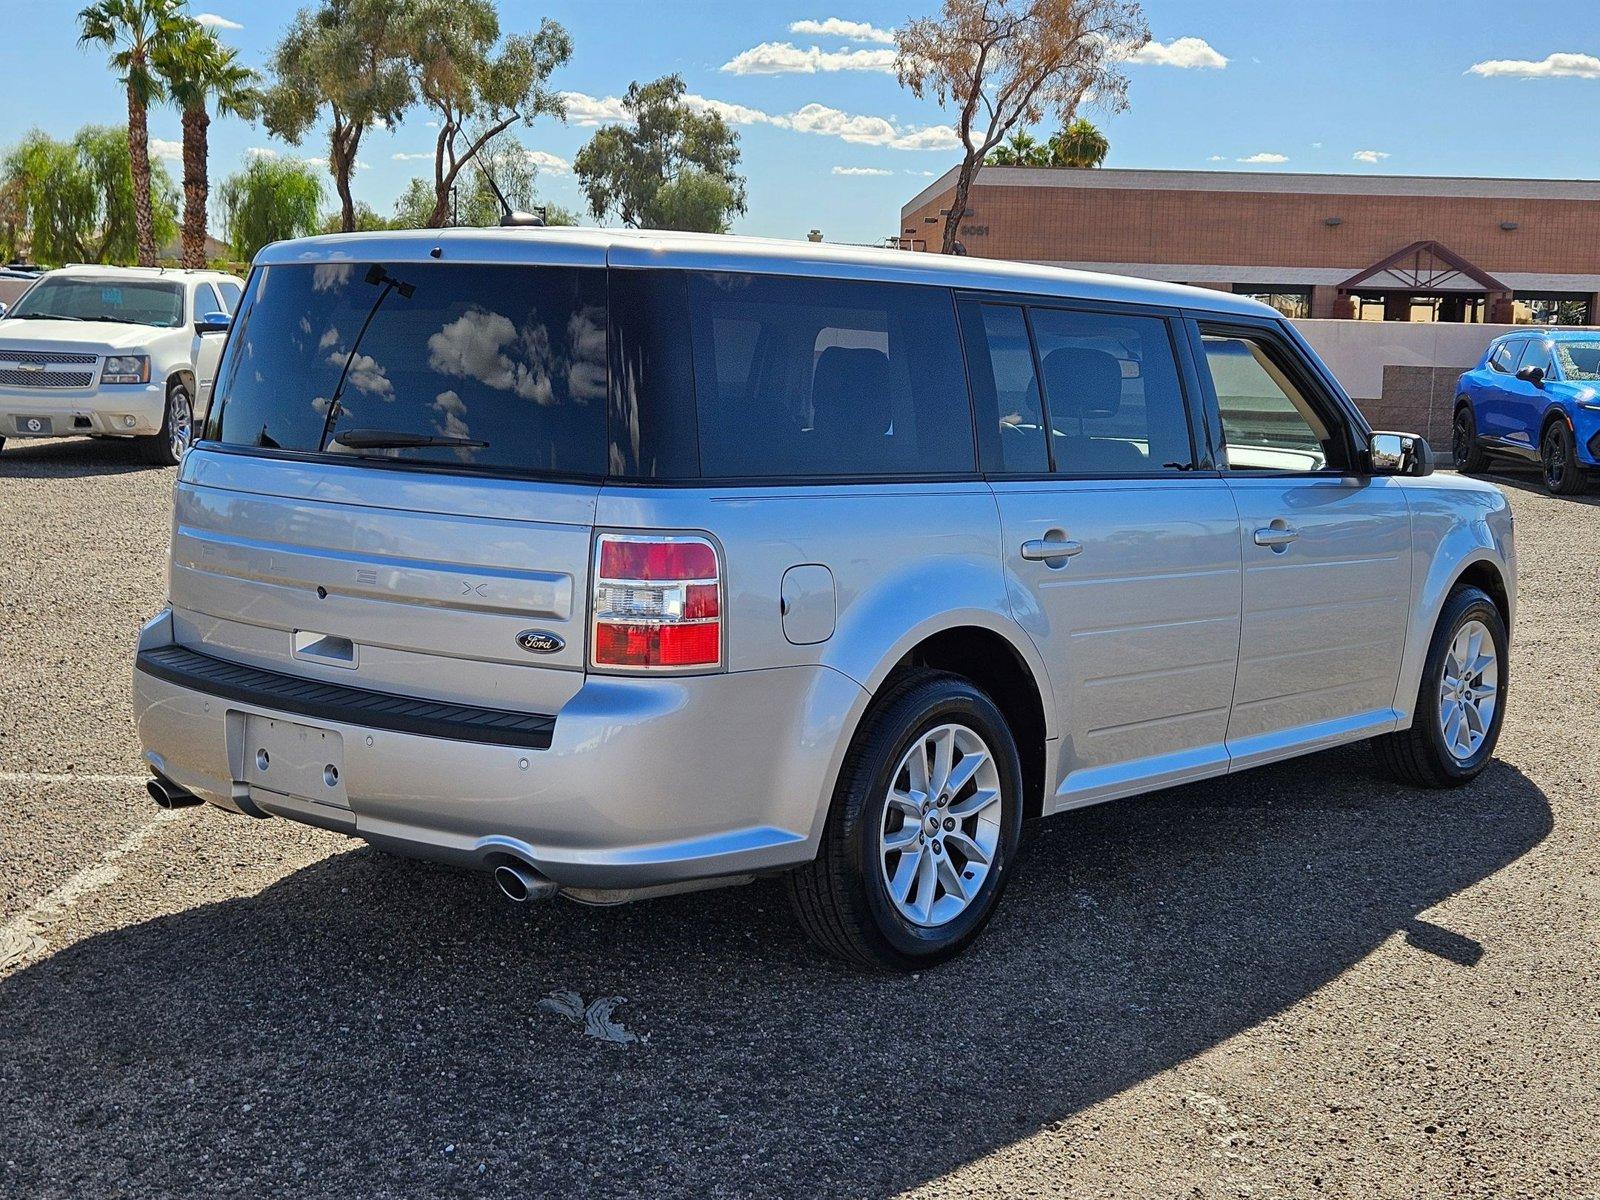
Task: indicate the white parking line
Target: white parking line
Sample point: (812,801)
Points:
(22,938)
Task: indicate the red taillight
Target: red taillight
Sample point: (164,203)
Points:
(656,602)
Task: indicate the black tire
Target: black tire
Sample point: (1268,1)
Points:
(1468,455)
(162,449)
(841,899)
(1558,452)
(1419,756)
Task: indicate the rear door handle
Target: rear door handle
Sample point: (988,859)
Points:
(1276,537)
(1045,550)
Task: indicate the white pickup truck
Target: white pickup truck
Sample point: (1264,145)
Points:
(124,352)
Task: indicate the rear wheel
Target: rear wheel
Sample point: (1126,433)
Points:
(177,429)
(1468,455)
(1461,701)
(1558,450)
(923,831)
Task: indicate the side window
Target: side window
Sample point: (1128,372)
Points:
(206,302)
(230,296)
(1537,354)
(1504,358)
(1112,393)
(799,377)
(1268,421)
(1005,389)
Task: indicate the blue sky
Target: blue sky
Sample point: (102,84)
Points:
(1428,87)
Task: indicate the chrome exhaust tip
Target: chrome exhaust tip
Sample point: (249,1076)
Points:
(169,795)
(521,883)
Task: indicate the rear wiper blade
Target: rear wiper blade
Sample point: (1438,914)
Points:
(398,439)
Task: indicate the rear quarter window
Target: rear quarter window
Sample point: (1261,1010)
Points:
(809,378)
(508,362)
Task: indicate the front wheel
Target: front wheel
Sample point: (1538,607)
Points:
(1558,451)
(1468,455)
(177,429)
(1461,701)
(923,832)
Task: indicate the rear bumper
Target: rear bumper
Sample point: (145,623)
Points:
(120,410)
(644,781)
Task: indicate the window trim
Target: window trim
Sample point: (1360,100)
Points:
(1297,361)
(971,300)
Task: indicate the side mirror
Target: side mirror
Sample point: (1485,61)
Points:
(1533,375)
(1400,454)
(216,322)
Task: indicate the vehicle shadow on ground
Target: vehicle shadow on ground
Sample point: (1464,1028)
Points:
(59,458)
(1534,482)
(368,1025)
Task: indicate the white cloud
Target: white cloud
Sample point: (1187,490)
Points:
(861,171)
(855,128)
(545,161)
(211,20)
(925,174)
(593,110)
(1265,157)
(417,157)
(310,160)
(163,148)
(853,31)
(1370,156)
(870,131)
(1186,52)
(1578,66)
(1218,158)
(785,58)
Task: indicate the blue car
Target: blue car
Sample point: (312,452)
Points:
(1535,398)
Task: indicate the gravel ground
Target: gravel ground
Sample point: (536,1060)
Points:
(1299,981)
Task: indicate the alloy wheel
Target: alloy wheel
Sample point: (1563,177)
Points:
(1461,440)
(180,422)
(941,826)
(1555,459)
(1468,690)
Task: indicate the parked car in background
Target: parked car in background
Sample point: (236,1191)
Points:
(617,563)
(113,352)
(14,280)
(1535,398)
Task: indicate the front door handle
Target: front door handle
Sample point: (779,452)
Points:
(1046,550)
(1276,537)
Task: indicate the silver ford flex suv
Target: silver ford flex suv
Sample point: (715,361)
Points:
(621,563)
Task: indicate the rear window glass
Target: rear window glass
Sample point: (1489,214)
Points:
(500,367)
(802,378)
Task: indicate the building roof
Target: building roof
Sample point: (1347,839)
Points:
(1267,182)
(646,248)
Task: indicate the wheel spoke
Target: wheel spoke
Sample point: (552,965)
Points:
(905,875)
(944,750)
(927,885)
(951,878)
(902,838)
(964,771)
(975,803)
(970,850)
(909,803)
(917,768)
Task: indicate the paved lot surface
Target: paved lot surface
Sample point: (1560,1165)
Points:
(1301,981)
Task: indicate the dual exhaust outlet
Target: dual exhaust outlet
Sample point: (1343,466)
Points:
(517,881)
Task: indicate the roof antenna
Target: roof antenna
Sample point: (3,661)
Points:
(508,215)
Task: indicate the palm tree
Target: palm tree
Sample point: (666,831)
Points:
(199,71)
(1020,150)
(134,30)
(1080,144)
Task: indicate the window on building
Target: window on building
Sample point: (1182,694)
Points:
(1550,308)
(1294,302)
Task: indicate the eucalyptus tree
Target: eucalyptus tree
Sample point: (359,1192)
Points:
(135,31)
(346,60)
(671,166)
(477,86)
(200,74)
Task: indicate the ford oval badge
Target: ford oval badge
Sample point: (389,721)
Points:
(537,641)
